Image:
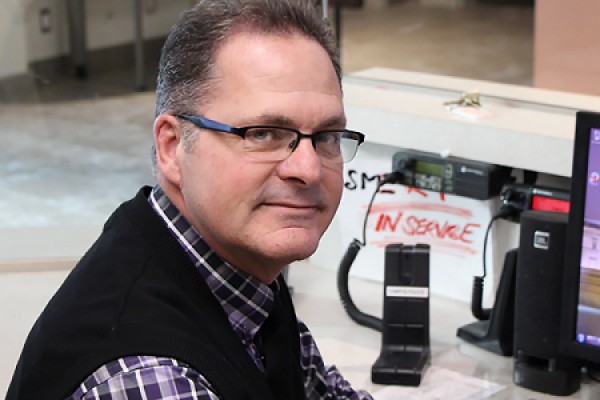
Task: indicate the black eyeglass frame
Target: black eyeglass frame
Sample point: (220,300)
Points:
(206,123)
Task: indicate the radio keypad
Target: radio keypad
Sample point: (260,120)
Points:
(429,182)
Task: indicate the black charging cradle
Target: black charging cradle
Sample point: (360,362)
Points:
(496,333)
(405,350)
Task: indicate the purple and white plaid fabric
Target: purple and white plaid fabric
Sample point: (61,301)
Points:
(145,378)
(247,303)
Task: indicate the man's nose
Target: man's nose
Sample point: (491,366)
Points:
(303,164)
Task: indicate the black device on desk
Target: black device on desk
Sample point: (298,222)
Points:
(405,350)
(519,197)
(538,363)
(580,336)
(494,330)
(557,292)
(405,341)
(405,326)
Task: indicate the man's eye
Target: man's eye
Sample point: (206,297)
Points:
(328,138)
(267,135)
(260,135)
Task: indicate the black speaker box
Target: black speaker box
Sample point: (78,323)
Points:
(538,363)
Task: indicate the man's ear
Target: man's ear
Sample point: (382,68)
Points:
(167,139)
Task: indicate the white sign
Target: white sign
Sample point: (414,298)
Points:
(453,226)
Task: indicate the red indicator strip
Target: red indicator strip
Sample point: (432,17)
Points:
(540,203)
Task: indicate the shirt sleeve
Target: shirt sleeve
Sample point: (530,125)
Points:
(142,377)
(320,381)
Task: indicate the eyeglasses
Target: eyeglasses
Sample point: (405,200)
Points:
(273,143)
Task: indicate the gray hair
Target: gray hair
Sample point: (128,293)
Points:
(187,60)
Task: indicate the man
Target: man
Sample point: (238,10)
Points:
(181,296)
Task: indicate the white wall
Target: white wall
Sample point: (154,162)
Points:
(567,51)
(109,23)
(13,55)
(45,45)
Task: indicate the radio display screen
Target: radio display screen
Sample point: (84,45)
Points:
(429,168)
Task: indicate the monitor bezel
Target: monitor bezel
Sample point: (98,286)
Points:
(584,122)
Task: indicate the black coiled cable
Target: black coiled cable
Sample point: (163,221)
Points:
(355,314)
(477,294)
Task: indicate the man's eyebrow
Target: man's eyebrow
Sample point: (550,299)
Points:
(333,122)
(275,119)
(281,120)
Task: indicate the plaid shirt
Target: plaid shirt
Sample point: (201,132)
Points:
(246,301)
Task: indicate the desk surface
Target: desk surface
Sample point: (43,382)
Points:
(353,348)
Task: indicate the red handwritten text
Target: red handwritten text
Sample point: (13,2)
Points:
(412,225)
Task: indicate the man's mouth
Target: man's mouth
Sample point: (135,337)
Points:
(294,209)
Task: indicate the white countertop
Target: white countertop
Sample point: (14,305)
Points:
(351,347)
(354,348)
(525,128)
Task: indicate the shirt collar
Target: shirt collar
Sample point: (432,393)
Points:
(246,300)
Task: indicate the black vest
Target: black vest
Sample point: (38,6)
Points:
(136,292)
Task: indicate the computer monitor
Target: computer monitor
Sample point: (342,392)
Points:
(581,295)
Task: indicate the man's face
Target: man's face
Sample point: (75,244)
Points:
(260,216)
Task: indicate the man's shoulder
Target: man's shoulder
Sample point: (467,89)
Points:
(132,234)
(155,376)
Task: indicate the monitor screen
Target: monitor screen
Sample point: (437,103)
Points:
(581,309)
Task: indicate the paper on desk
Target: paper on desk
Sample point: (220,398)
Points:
(440,383)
